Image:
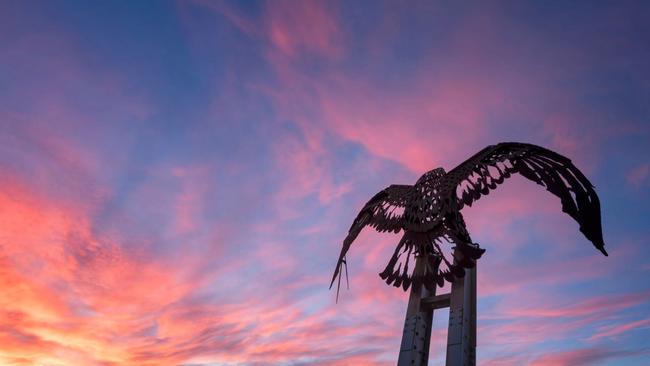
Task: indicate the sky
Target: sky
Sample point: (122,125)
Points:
(176,178)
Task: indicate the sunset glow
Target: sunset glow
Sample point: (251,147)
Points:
(176,178)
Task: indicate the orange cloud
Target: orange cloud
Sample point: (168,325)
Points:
(82,296)
(75,297)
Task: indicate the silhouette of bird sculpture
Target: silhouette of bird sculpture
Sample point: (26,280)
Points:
(430,211)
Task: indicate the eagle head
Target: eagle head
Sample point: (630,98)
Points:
(431,175)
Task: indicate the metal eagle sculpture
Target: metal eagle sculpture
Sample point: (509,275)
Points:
(430,210)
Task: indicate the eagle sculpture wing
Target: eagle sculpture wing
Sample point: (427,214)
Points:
(491,166)
(384,212)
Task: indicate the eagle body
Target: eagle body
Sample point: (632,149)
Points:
(429,212)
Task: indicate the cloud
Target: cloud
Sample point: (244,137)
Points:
(185,205)
(579,357)
(305,27)
(619,329)
(73,290)
(637,176)
(600,304)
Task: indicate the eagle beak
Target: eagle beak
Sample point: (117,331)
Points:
(602,250)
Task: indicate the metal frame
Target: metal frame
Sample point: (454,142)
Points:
(416,338)
(461,333)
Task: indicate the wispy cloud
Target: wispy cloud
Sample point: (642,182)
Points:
(637,176)
(587,356)
(175,183)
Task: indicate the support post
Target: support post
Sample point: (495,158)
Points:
(461,334)
(416,338)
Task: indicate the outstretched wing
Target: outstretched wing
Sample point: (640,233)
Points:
(383,212)
(491,166)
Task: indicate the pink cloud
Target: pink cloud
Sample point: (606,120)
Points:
(189,203)
(509,360)
(510,277)
(637,176)
(292,29)
(58,271)
(516,335)
(304,170)
(240,22)
(579,357)
(50,134)
(612,331)
(599,304)
(310,27)
(80,297)
(443,116)
(420,128)
(107,312)
(73,296)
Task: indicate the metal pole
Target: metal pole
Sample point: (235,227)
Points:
(416,338)
(461,335)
